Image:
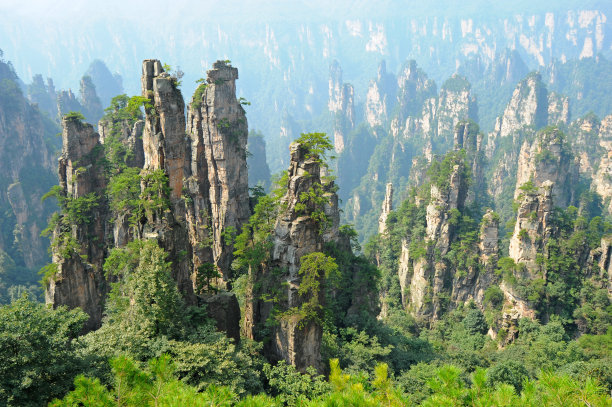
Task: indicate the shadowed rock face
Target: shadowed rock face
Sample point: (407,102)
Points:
(165,148)
(218,181)
(27,171)
(548,159)
(387,207)
(208,192)
(296,234)
(164,131)
(80,281)
(341,105)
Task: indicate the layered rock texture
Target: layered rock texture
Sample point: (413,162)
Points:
(217,127)
(387,207)
(548,159)
(341,105)
(193,186)
(533,225)
(602,179)
(297,232)
(28,148)
(407,119)
(438,268)
(79,237)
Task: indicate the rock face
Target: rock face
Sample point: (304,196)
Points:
(471,284)
(67,102)
(165,149)
(87,103)
(527,107)
(217,128)
(455,103)
(425,277)
(43,94)
(602,179)
(296,234)
(344,117)
(206,195)
(548,159)
(414,88)
(431,276)
(533,106)
(379,100)
(164,130)
(224,309)
(130,136)
(387,207)
(79,280)
(27,171)
(533,226)
(92,107)
(605,262)
(530,109)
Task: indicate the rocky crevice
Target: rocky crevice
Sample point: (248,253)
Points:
(80,250)
(296,233)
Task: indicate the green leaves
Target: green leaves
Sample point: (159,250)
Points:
(317,145)
(74,117)
(38,353)
(146,297)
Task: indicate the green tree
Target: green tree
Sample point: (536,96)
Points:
(38,354)
(133,386)
(315,269)
(144,302)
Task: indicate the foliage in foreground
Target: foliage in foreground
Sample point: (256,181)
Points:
(157,385)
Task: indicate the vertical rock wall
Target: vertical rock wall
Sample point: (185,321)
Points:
(218,132)
(296,234)
(79,280)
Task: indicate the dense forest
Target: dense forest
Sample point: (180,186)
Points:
(424,243)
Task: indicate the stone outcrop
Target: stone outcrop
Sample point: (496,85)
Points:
(558,109)
(431,282)
(533,226)
(527,107)
(531,105)
(79,279)
(165,149)
(218,180)
(87,103)
(379,99)
(455,103)
(67,102)
(129,135)
(296,234)
(164,131)
(430,273)
(387,207)
(414,88)
(471,284)
(43,94)
(605,262)
(27,171)
(341,105)
(206,196)
(548,159)
(90,102)
(224,309)
(588,146)
(602,179)
(530,108)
